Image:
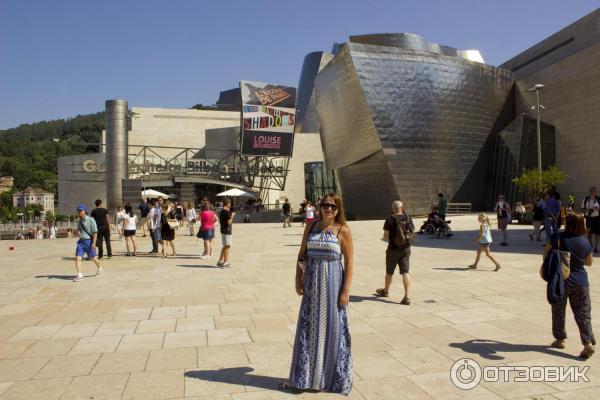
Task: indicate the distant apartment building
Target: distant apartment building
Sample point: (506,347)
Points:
(6,183)
(34,196)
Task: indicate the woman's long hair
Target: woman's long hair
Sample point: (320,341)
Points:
(340,217)
(129,210)
(575,224)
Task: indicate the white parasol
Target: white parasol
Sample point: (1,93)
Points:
(235,193)
(153,194)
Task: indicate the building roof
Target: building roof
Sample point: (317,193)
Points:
(30,190)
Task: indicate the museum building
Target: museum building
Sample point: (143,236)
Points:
(382,117)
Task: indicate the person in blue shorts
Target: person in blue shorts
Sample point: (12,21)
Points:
(88,232)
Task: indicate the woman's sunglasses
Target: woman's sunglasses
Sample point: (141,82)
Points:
(332,207)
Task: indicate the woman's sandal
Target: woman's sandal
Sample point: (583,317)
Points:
(558,344)
(405,301)
(285,386)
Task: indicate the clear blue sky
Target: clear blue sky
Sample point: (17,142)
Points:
(66,57)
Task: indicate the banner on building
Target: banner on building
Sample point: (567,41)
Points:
(268,118)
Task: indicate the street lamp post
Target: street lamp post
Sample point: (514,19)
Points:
(536,88)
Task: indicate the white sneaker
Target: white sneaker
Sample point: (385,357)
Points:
(99,271)
(205,257)
(225,265)
(78,278)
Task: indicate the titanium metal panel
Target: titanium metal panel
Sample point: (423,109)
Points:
(347,130)
(429,117)
(307,119)
(403,41)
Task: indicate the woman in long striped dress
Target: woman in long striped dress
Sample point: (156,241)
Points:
(322,358)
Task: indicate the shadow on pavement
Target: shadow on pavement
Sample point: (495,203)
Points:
(200,266)
(491,269)
(358,299)
(238,376)
(489,349)
(63,277)
(454,268)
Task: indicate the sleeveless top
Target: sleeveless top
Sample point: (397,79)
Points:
(486,238)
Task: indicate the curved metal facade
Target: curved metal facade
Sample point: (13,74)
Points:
(307,120)
(406,123)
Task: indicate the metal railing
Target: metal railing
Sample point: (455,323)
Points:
(458,208)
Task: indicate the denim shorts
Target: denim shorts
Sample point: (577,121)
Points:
(208,234)
(84,246)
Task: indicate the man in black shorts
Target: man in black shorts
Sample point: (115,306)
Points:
(397,254)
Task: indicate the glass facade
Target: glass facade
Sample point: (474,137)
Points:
(318,181)
(515,149)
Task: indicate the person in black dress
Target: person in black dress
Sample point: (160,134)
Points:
(166,232)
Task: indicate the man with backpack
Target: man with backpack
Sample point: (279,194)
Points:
(399,233)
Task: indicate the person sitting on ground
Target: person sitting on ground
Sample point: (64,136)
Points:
(519,212)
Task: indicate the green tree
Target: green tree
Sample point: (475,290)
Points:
(534,183)
(50,217)
(6,199)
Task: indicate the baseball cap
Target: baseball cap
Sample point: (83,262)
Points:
(81,207)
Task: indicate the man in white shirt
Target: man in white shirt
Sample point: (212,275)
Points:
(591,210)
(153,225)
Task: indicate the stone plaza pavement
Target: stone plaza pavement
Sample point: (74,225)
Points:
(179,328)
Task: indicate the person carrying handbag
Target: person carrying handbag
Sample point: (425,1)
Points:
(576,286)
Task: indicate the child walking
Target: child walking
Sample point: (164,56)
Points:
(484,239)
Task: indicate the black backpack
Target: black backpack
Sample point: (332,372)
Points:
(405,234)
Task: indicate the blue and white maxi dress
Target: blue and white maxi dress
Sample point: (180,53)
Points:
(322,358)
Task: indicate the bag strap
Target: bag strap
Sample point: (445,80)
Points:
(84,229)
(310,229)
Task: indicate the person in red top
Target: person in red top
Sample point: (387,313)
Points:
(207,228)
